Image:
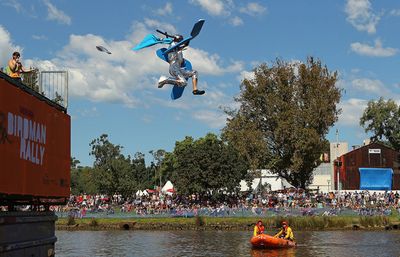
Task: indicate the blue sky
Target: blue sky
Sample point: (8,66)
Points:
(117,94)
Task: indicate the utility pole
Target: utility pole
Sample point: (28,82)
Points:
(159,171)
(155,167)
(158,156)
(337,153)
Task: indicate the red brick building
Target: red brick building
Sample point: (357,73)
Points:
(374,155)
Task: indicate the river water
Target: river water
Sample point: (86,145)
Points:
(223,243)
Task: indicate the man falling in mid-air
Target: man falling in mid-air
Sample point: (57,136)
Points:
(180,69)
(177,69)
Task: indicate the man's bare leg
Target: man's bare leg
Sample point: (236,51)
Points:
(195,91)
(194,82)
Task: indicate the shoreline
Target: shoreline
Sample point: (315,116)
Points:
(304,223)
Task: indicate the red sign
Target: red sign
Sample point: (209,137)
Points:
(34,145)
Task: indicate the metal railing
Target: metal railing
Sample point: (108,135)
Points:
(54,85)
(51,84)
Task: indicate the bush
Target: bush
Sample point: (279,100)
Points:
(93,222)
(373,221)
(394,212)
(199,221)
(71,220)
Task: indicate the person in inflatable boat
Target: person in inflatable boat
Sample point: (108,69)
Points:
(285,232)
(259,228)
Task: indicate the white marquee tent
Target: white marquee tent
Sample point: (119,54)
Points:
(273,181)
(141,193)
(168,187)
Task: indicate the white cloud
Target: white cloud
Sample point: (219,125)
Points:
(370,86)
(23,9)
(253,9)
(147,119)
(166,10)
(246,75)
(210,63)
(141,29)
(227,9)
(352,110)
(39,37)
(101,77)
(89,112)
(236,21)
(129,78)
(56,14)
(214,7)
(341,84)
(6,46)
(213,105)
(361,16)
(209,108)
(395,12)
(376,51)
(212,118)
(125,76)
(13,4)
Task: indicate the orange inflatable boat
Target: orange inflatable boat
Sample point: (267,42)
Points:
(266,241)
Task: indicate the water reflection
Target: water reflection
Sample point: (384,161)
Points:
(291,252)
(223,243)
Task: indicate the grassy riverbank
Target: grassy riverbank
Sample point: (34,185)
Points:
(230,223)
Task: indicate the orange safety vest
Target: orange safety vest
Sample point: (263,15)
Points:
(260,229)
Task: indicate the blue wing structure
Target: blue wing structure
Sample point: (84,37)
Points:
(151,40)
(161,54)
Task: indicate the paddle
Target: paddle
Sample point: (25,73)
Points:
(195,31)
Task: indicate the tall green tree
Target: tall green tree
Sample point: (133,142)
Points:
(168,165)
(83,181)
(285,113)
(74,162)
(31,79)
(382,119)
(144,176)
(114,173)
(207,166)
(158,157)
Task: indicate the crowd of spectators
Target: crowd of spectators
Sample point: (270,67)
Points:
(288,202)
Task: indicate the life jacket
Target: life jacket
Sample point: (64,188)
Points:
(286,231)
(260,229)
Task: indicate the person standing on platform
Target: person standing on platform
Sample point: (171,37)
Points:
(15,68)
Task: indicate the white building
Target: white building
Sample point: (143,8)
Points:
(337,149)
(322,178)
(323,175)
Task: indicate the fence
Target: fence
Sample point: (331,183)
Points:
(229,212)
(51,84)
(54,85)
